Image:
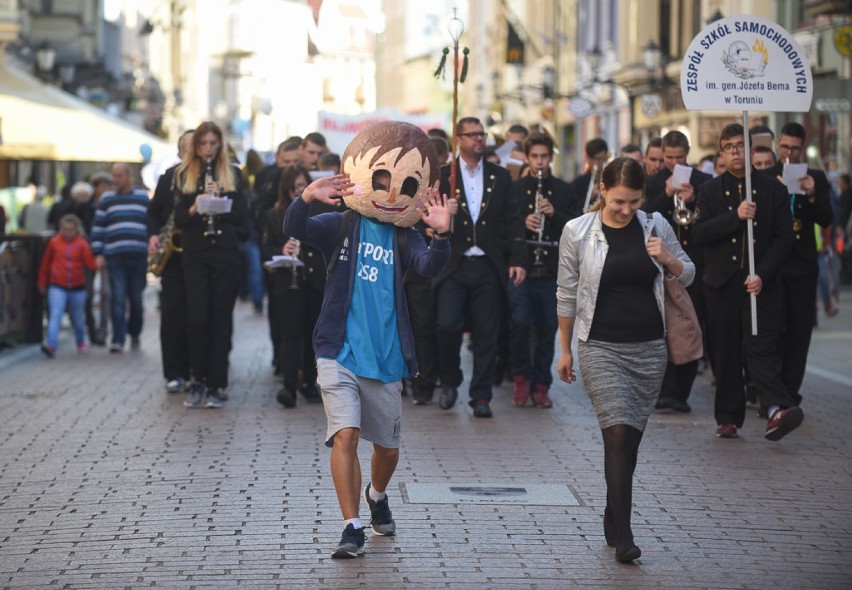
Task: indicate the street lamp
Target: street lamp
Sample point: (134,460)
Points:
(45,58)
(652,56)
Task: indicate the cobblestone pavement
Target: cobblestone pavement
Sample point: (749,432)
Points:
(106,481)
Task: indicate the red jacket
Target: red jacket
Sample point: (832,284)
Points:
(64,263)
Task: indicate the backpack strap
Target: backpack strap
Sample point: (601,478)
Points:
(342,234)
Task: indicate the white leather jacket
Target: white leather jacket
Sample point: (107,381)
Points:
(582,252)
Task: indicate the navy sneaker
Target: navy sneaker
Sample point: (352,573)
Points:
(214,399)
(351,543)
(195,395)
(381,519)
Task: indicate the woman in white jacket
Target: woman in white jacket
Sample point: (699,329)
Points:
(612,263)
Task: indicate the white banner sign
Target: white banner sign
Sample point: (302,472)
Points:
(340,129)
(744,63)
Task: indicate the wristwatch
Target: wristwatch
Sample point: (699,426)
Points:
(441,235)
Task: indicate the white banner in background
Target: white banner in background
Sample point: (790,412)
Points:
(742,63)
(340,129)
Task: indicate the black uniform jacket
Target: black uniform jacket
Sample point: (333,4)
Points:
(723,234)
(803,258)
(232,225)
(162,203)
(498,227)
(566,207)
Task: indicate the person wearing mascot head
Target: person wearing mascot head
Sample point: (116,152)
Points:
(363,339)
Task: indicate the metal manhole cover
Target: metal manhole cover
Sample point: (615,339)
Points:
(478,493)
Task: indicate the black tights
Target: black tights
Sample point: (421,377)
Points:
(621,447)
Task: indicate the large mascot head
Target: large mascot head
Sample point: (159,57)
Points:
(391,164)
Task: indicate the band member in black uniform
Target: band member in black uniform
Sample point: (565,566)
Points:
(295,293)
(546,203)
(677,205)
(487,223)
(211,260)
(597,155)
(721,229)
(174,335)
(799,274)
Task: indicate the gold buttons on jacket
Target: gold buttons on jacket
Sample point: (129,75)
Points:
(733,240)
(734,258)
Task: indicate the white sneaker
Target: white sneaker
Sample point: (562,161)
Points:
(174,386)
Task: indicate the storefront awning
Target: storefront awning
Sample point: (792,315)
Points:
(41,122)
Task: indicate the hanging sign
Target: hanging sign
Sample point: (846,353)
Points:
(743,63)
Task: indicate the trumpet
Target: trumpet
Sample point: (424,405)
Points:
(593,182)
(682,215)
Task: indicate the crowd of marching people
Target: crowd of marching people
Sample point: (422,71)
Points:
(509,212)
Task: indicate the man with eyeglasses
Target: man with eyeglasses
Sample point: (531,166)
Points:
(721,229)
(800,272)
(487,225)
(660,193)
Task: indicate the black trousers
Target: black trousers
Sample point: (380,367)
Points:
(212,281)
(421,310)
(174,332)
(678,379)
(475,283)
(296,314)
(729,329)
(799,303)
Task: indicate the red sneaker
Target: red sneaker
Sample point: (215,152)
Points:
(783,422)
(726,431)
(522,390)
(540,398)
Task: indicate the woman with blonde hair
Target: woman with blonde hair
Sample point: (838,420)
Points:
(211,260)
(612,264)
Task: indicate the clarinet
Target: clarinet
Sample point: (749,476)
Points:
(211,230)
(540,232)
(294,278)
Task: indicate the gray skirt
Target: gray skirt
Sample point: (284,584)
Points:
(623,379)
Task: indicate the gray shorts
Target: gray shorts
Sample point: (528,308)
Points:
(375,408)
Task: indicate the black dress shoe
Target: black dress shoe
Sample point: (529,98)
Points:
(482,409)
(664,403)
(628,554)
(681,406)
(286,397)
(449,395)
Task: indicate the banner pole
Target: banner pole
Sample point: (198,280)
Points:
(750,222)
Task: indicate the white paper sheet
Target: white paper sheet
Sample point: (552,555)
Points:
(283,262)
(208,205)
(681,175)
(791,175)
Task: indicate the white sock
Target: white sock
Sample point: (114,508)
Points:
(772,410)
(376,496)
(355,522)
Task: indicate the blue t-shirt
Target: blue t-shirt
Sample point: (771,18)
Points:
(371,348)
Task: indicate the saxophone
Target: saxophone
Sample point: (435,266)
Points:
(168,237)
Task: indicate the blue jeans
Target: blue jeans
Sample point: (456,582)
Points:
(126,281)
(254,272)
(533,305)
(57,299)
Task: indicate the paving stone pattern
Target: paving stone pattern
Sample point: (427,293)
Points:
(106,481)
